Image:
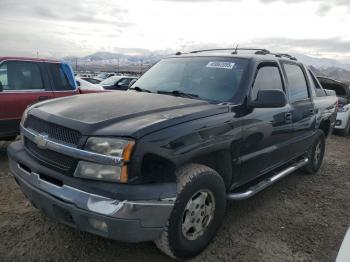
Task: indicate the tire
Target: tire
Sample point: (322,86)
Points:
(315,154)
(181,240)
(345,131)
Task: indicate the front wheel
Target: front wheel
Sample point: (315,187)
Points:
(198,212)
(315,154)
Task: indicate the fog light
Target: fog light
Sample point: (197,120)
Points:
(98,224)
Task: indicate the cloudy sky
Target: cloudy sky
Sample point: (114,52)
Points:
(58,28)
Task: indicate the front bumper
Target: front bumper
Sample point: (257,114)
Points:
(123,220)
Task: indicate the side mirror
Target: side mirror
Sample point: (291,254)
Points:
(269,98)
(132,82)
(1,87)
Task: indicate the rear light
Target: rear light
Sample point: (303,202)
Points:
(337,104)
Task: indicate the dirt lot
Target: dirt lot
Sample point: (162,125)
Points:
(302,218)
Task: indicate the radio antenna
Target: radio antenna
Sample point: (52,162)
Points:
(236,51)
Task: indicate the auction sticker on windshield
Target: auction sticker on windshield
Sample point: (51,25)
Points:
(222,65)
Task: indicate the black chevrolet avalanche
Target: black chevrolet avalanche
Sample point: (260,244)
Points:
(159,161)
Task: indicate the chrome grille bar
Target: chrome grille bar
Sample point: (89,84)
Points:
(43,142)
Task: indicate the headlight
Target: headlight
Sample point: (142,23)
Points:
(111,147)
(97,171)
(107,146)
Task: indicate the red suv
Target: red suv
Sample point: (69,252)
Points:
(24,81)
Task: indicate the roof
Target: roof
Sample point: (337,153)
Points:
(258,54)
(17,58)
(267,57)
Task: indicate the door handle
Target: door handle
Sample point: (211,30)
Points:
(289,117)
(42,98)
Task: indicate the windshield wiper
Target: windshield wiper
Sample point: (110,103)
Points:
(178,93)
(139,89)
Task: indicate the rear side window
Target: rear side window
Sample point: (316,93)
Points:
(268,77)
(297,86)
(18,76)
(61,77)
(315,85)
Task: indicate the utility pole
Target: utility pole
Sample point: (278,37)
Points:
(76,64)
(141,64)
(118,65)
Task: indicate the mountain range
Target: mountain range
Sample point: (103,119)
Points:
(140,62)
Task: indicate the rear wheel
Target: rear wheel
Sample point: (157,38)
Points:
(315,154)
(198,212)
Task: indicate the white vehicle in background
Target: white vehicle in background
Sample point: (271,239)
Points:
(342,91)
(105,75)
(344,252)
(85,85)
(117,82)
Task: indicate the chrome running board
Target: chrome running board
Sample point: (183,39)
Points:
(235,196)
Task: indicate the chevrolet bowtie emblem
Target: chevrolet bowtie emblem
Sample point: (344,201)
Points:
(41,141)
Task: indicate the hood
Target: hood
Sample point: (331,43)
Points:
(130,113)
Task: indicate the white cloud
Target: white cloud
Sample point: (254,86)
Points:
(60,28)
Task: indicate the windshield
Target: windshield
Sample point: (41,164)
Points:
(214,79)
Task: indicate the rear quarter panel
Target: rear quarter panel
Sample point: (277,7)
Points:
(326,110)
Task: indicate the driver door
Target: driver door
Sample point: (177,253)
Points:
(23,83)
(266,131)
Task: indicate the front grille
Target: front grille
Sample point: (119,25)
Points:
(54,131)
(49,157)
(52,159)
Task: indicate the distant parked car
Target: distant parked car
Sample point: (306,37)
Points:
(85,85)
(104,76)
(91,80)
(117,82)
(342,91)
(84,75)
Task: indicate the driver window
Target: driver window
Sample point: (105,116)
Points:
(268,77)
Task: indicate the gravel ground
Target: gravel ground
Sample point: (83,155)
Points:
(302,218)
